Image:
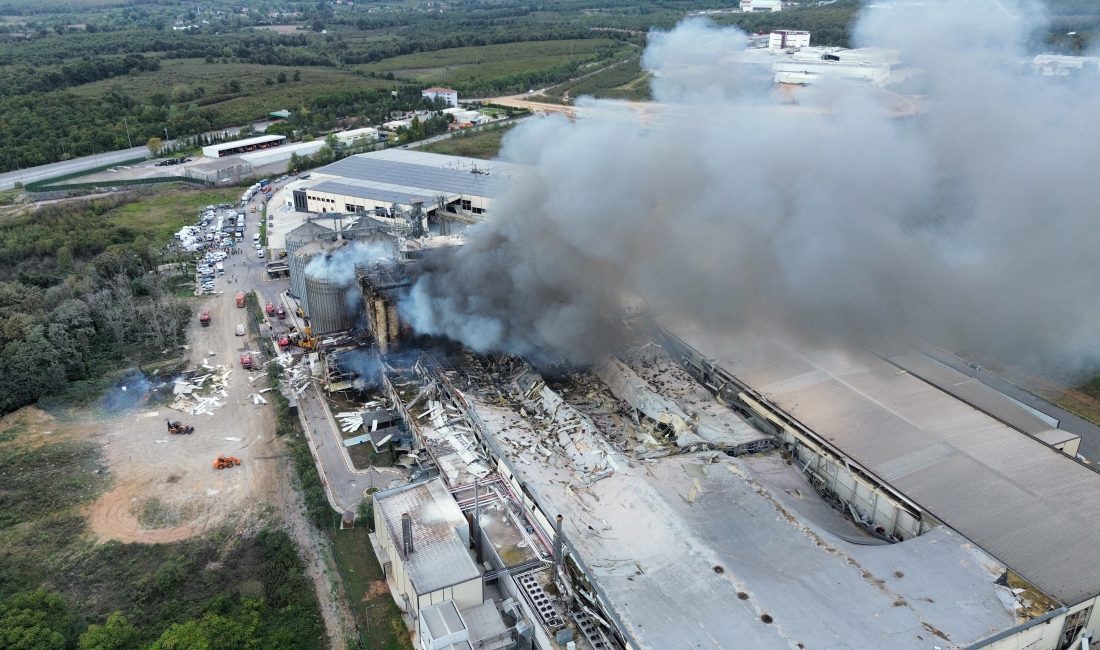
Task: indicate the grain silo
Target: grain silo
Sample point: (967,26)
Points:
(325,297)
(297,239)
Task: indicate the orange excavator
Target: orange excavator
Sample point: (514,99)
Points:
(225,462)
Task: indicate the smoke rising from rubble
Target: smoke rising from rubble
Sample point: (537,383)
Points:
(971,225)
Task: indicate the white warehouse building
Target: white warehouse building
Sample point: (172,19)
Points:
(782,39)
(379,179)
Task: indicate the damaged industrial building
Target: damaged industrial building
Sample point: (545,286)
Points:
(686,491)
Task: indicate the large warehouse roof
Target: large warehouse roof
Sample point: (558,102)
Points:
(374,192)
(1026,504)
(421,173)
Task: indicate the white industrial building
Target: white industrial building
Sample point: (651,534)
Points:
(1058,65)
(424,539)
(784,39)
(379,179)
(912,446)
(753,6)
(811,65)
(365,134)
(283,153)
(448,95)
(246,145)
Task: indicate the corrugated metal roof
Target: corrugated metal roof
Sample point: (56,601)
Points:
(410,173)
(971,391)
(367,191)
(1030,506)
(439,558)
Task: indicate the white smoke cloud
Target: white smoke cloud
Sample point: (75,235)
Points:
(339,265)
(969,225)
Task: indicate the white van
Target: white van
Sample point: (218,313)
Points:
(256,237)
(220,268)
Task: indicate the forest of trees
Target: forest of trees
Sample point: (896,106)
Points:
(79,298)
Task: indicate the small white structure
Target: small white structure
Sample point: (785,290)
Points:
(784,39)
(442,627)
(423,538)
(1058,65)
(354,135)
(750,6)
(448,95)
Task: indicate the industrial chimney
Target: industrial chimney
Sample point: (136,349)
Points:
(406,535)
(558,541)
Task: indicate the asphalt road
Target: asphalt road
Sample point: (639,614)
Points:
(1089,432)
(42,172)
(344,484)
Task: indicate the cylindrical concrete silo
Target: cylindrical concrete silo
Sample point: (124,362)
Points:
(328,304)
(298,238)
(297,261)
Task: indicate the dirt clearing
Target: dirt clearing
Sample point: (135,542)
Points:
(164,486)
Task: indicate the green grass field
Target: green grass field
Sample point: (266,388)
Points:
(481,144)
(624,81)
(163,213)
(255,99)
(469,64)
(376,614)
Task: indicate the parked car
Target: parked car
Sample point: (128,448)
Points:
(240,329)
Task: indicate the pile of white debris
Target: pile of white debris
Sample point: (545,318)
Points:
(202,394)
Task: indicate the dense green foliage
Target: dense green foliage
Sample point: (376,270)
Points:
(81,295)
(189,597)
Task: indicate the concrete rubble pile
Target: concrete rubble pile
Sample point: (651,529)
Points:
(509,398)
(711,419)
(201,394)
(448,423)
(668,418)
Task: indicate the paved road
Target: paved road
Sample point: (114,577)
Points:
(42,172)
(1089,432)
(344,484)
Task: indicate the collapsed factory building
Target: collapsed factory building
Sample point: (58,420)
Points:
(692,490)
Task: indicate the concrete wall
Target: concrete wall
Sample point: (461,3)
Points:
(396,570)
(1049,634)
(465,594)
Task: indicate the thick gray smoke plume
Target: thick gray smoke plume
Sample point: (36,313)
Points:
(971,224)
